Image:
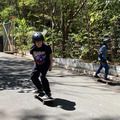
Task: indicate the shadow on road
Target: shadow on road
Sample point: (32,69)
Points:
(62,103)
(15,74)
(107,118)
(37,114)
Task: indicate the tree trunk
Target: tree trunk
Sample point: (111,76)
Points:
(64,41)
(64,28)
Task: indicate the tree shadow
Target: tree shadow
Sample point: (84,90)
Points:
(33,117)
(38,114)
(15,74)
(64,73)
(2,114)
(107,118)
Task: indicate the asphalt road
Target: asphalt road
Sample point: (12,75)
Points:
(78,97)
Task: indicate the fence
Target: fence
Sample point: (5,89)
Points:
(8,41)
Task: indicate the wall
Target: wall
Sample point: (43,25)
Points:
(89,68)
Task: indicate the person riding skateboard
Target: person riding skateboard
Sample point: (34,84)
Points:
(42,55)
(102,57)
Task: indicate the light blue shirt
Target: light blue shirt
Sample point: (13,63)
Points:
(103,52)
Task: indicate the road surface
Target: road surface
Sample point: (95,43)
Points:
(78,97)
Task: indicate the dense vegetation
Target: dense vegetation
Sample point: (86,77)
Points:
(75,28)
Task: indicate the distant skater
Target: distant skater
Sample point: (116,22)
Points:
(102,57)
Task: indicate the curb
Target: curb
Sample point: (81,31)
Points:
(114,80)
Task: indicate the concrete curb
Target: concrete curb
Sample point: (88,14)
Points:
(89,68)
(78,64)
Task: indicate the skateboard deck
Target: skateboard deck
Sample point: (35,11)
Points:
(103,80)
(110,82)
(45,101)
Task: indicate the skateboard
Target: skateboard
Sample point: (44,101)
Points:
(45,101)
(109,82)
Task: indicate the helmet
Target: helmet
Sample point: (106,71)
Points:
(106,39)
(37,36)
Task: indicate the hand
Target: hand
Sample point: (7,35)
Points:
(50,68)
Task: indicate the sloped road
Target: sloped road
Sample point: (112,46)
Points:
(78,97)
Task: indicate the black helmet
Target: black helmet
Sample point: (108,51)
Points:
(106,39)
(37,36)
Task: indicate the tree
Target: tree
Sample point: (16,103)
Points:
(21,35)
(73,25)
(64,16)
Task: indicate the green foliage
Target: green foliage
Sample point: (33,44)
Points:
(89,54)
(27,2)
(75,27)
(6,13)
(54,39)
(22,32)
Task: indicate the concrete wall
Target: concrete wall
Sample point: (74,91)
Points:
(89,68)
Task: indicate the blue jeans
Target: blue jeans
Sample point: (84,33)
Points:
(105,66)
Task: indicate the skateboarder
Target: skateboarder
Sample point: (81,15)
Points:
(42,55)
(102,57)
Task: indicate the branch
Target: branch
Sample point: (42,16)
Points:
(77,11)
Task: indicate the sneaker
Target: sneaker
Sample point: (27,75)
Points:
(49,96)
(44,97)
(106,78)
(37,91)
(41,93)
(96,76)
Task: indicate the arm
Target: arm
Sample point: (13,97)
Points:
(31,51)
(51,62)
(102,53)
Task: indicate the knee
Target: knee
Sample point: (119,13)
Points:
(107,67)
(43,77)
(33,77)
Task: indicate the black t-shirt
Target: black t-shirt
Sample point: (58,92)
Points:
(41,55)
